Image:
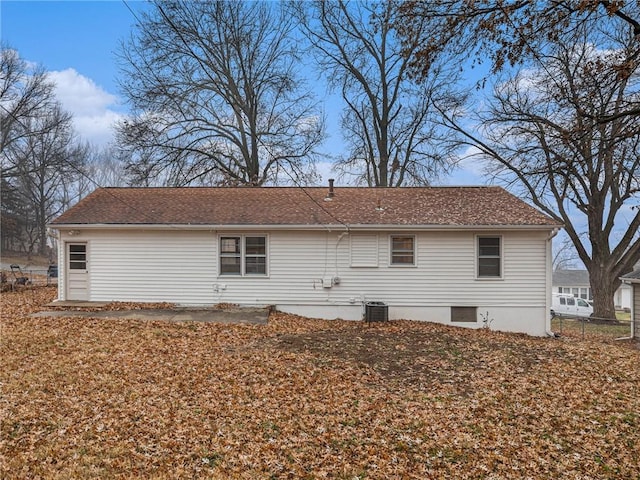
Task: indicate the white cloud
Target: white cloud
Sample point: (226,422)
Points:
(94,110)
(470,168)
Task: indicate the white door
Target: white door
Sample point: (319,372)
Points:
(77,272)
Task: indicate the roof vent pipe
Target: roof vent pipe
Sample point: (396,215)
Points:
(331,192)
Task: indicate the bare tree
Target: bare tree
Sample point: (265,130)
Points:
(387,122)
(37,151)
(216,95)
(40,163)
(564,255)
(24,93)
(542,133)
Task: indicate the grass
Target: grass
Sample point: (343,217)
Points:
(624,316)
(300,398)
(596,331)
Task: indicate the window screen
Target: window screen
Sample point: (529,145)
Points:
(402,250)
(243,255)
(489,257)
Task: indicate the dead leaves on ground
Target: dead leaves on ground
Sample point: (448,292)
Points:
(303,398)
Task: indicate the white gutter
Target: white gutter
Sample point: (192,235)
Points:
(337,227)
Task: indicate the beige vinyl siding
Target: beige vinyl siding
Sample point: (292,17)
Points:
(173,266)
(364,250)
(445,273)
(181,266)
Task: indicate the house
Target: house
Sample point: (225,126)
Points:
(633,279)
(577,283)
(456,255)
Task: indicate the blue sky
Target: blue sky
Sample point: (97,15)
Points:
(77,41)
(75,34)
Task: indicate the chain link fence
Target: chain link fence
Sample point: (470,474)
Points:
(17,277)
(605,329)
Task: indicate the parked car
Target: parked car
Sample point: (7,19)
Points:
(570,306)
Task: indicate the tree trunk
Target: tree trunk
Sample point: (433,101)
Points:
(603,290)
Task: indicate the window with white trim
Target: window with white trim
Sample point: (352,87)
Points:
(403,250)
(489,257)
(243,255)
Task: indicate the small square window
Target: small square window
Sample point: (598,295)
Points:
(402,250)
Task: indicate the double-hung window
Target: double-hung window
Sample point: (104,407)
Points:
(243,255)
(403,250)
(489,257)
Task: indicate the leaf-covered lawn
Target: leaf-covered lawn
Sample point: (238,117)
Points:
(84,398)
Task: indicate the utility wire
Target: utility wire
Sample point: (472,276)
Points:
(205,70)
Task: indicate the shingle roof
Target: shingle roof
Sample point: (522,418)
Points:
(634,276)
(570,278)
(452,206)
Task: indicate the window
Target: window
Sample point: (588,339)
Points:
(582,303)
(255,256)
(464,314)
(230,256)
(583,293)
(402,250)
(489,257)
(77,257)
(243,255)
(576,292)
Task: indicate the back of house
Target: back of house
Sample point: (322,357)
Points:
(470,256)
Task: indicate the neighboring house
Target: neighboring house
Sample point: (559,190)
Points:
(455,255)
(633,280)
(576,283)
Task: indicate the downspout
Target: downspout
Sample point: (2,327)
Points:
(549,281)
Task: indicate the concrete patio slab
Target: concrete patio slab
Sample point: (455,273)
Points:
(254,316)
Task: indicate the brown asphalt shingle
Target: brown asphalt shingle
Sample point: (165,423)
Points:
(296,206)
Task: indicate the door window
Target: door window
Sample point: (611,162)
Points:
(77,257)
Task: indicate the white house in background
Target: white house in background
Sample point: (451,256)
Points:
(633,279)
(576,283)
(454,255)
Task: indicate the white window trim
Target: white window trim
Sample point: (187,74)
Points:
(243,273)
(415,251)
(477,258)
